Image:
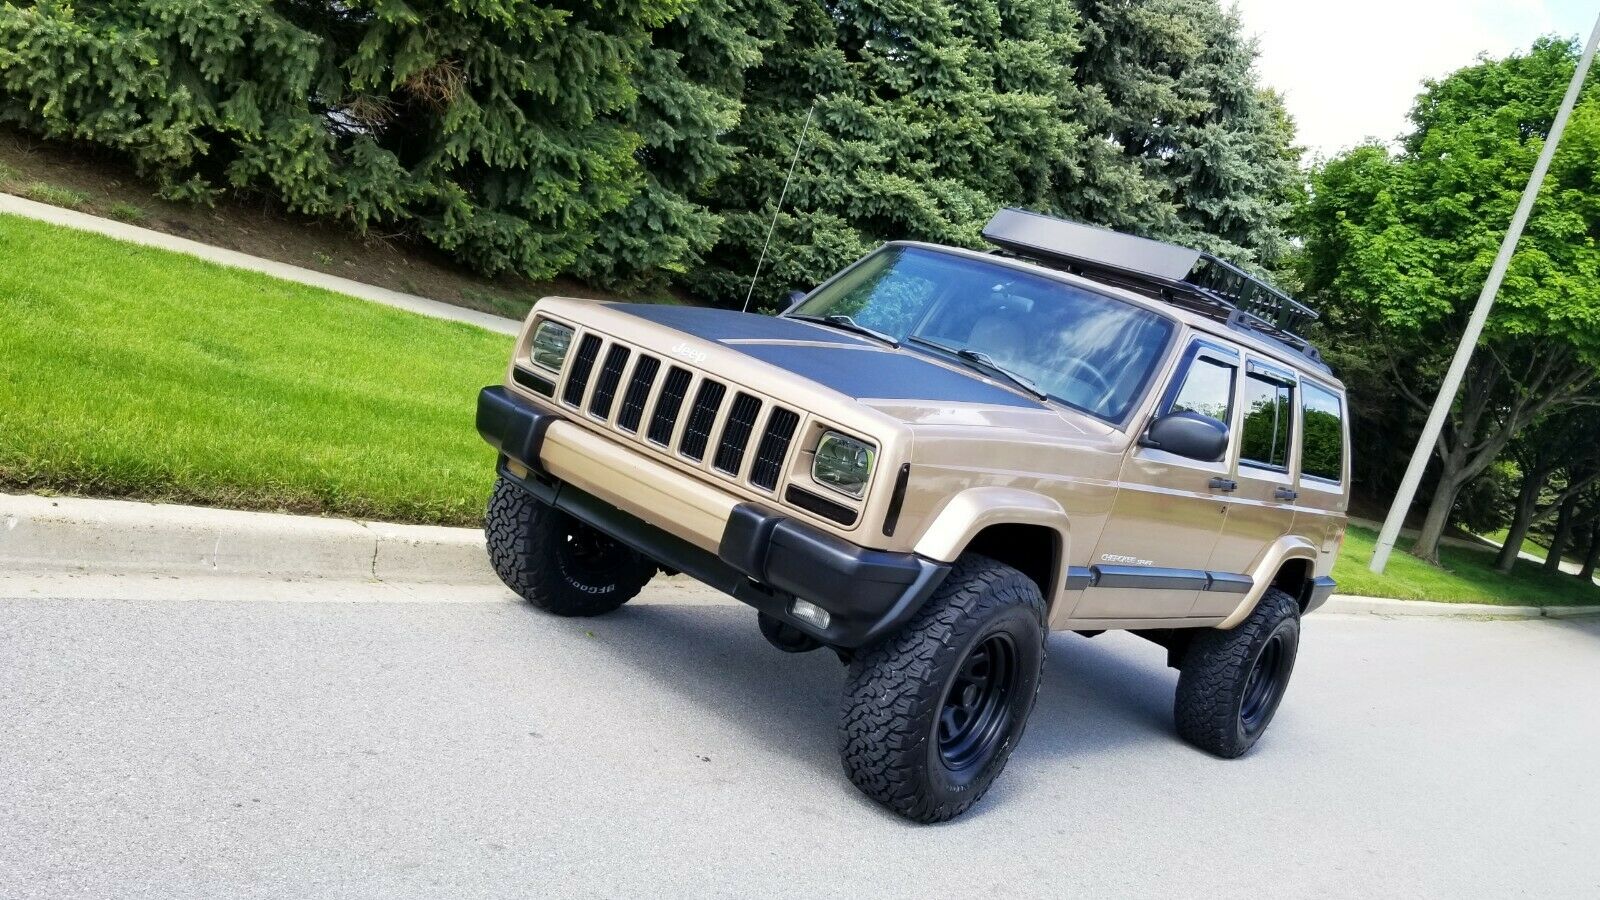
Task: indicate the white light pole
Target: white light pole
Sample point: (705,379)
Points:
(1469,338)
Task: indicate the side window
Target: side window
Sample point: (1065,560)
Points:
(1323,452)
(1268,415)
(1207,389)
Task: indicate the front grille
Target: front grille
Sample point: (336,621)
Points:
(666,416)
(644,378)
(702,416)
(674,410)
(582,366)
(774,447)
(605,389)
(736,434)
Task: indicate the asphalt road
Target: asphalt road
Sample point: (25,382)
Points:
(364,743)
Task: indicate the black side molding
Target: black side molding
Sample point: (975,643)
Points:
(1157,578)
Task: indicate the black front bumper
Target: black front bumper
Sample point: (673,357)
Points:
(765,559)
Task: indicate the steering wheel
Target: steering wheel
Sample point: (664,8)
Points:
(1098,377)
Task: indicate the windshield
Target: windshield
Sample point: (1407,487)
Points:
(1092,352)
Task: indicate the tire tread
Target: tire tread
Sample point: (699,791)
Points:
(894,689)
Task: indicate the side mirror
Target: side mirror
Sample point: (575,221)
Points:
(1188,434)
(794,299)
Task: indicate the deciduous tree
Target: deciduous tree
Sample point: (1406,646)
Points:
(1399,244)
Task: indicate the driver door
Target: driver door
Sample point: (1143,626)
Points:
(1152,555)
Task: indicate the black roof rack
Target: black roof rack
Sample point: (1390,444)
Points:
(1187,278)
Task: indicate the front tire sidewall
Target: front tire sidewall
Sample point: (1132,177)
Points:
(531,547)
(953,787)
(896,691)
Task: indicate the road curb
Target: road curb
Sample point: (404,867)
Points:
(113,537)
(68,534)
(1383,606)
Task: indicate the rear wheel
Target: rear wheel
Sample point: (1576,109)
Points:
(1231,682)
(931,715)
(556,562)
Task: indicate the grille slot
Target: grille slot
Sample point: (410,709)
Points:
(773,448)
(605,388)
(644,378)
(582,366)
(726,430)
(702,416)
(736,434)
(673,390)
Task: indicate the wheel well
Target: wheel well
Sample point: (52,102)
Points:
(1032,550)
(1294,578)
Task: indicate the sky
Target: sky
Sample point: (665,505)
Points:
(1350,70)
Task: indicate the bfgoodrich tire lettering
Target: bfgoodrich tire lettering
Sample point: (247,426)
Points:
(1231,682)
(556,562)
(931,714)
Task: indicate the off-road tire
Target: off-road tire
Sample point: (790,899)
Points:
(891,737)
(531,546)
(1215,676)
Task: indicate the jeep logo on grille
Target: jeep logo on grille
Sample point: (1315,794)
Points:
(685,352)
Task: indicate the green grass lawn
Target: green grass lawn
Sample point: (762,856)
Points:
(133,372)
(1465,576)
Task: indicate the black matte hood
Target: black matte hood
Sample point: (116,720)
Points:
(856,367)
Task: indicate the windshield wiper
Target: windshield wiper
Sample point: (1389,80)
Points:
(845,323)
(969,355)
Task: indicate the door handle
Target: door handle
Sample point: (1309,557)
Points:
(1284,493)
(1224,484)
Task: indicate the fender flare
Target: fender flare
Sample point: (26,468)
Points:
(1283,550)
(974,509)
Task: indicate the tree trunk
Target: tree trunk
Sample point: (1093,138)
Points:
(1433,525)
(1593,556)
(1527,502)
(1563,535)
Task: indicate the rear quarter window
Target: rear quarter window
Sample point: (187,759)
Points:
(1323,449)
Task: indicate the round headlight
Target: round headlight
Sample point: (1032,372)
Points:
(550,343)
(842,463)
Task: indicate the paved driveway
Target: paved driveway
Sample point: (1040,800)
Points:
(363,743)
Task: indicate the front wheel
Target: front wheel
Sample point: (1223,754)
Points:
(1231,682)
(556,562)
(931,714)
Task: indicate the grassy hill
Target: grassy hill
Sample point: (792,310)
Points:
(134,372)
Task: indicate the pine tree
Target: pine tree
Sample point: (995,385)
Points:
(927,117)
(1191,147)
(690,84)
(500,130)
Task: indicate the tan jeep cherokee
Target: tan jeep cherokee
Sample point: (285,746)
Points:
(932,460)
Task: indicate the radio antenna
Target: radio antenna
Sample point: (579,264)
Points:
(781,195)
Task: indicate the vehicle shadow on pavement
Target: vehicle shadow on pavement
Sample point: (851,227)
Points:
(1100,694)
(1097,696)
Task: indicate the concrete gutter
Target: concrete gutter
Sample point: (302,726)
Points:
(1381,606)
(72,535)
(122,231)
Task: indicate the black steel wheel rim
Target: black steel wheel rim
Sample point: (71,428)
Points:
(588,553)
(1265,683)
(976,712)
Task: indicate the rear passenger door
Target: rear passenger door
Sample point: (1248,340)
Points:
(1261,505)
(1151,558)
